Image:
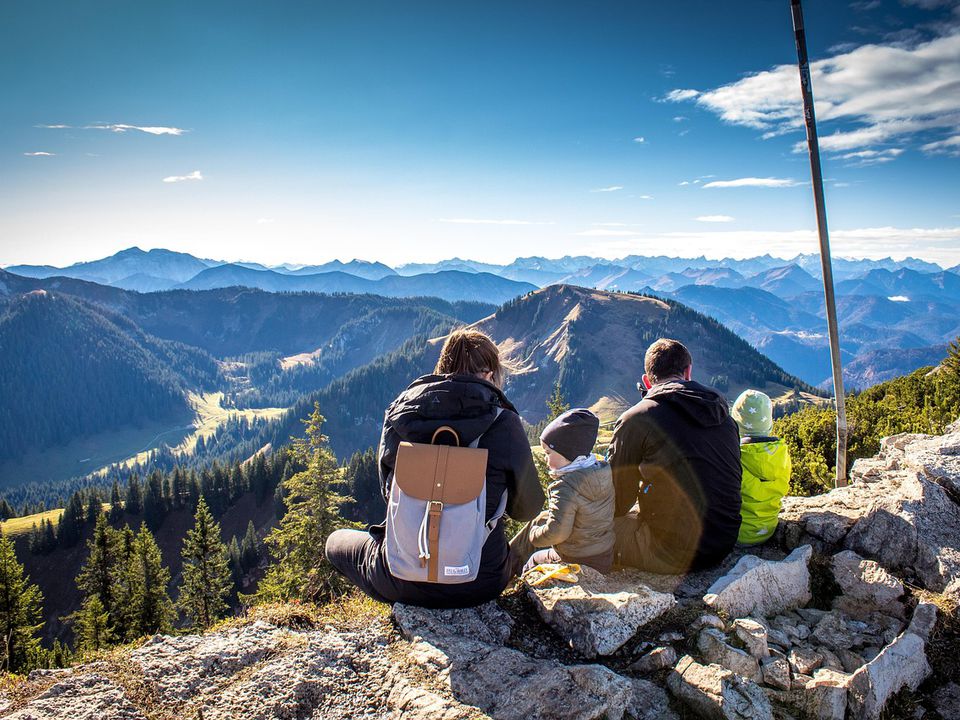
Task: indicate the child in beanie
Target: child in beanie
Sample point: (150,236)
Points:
(577,526)
(766,467)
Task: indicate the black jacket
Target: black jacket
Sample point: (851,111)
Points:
(677,454)
(469,405)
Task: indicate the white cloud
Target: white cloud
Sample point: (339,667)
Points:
(861,158)
(607,233)
(683,182)
(612,188)
(150,130)
(715,218)
(950,146)
(898,298)
(680,118)
(883,93)
(39,154)
(478,221)
(640,140)
(52,127)
(195,175)
(752,182)
(646,197)
(941,245)
(681,95)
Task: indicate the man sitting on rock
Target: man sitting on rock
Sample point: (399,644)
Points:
(675,457)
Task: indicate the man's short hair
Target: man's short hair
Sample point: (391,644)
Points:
(665,358)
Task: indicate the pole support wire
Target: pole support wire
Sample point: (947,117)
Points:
(813,146)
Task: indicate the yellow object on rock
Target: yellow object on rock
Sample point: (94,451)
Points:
(567,572)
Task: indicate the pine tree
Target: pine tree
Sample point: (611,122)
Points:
(206,577)
(150,605)
(134,500)
(300,569)
(20,612)
(952,362)
(94,508)
(154,504)
(99,576)
(92,626)
(126,581)
(250,547)
(6,510)
(557,404)
(116,503)
(71,522)
(234,560)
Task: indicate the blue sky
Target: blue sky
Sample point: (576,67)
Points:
(306,131)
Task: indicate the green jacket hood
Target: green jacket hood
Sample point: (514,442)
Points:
(766,460)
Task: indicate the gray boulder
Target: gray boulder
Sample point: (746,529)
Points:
(899,511)
(598,614)
(763,587)
(714,692)
(866,587)
(713,647)
(902,664)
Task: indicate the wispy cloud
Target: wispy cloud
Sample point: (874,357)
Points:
(149,129)
(39,154)
(768,182)
(886,92)
(484,221)
(612,188)
(645,197)
(715,218)
(53,127)
(601,232)
(640,140)
(862,158)
(950,146)
(195,175)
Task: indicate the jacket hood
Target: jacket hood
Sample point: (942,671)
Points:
(702,404)
(767,460)
(464,402)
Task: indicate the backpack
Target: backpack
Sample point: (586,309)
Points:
(435,513)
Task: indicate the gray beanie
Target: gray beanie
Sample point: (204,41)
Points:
(572,434)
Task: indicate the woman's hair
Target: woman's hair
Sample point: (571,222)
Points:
(470,352)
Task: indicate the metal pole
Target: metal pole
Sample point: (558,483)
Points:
(813,146)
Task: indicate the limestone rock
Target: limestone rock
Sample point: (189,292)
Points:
(478,670)
(717,693)
(705,621)
(776,672)
(833,632)
(907,520)
(866,586)
(763,587)
(901,664)
(754,636)
(81,697)
(657,659)
(924,619)
(804,660)
(598,614)
(713,646)
(947,700)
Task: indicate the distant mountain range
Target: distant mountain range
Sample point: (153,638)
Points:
(884,305)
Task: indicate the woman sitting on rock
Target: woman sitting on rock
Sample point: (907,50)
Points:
(464,394)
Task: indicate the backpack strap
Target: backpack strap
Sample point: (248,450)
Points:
(502,506)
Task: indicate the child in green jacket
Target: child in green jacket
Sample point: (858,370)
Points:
(766,467)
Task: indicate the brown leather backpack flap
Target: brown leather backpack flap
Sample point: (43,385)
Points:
(457,473)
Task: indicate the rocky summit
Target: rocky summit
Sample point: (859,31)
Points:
(848,613)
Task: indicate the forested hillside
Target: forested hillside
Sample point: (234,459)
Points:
(68,368)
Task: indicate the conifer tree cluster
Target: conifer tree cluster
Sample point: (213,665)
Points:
(299,569)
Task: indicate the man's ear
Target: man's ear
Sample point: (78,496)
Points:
(646,382)
(688,372)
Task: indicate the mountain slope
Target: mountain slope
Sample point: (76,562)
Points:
(447,284)
(163,264)
(591,342)
(68,369)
